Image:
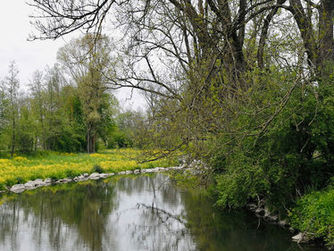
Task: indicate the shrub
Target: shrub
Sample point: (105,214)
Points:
(294,154)
(97,169)
(241,180)
(70,173)
(314,214)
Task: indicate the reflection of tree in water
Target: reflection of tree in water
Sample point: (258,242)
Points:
(159,224)
(215,229)
(9,224)
(169,231)
(175,219)
(61,212)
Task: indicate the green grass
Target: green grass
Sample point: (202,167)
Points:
(55,165)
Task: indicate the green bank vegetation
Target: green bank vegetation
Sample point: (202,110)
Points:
(21,169)
(314,214)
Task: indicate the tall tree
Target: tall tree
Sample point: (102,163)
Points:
(2,106)
(88,60)
(12,88)
(39,104)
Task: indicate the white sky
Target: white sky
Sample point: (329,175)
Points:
(15,29)
(33,55)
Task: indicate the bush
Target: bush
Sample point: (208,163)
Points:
(69,173)
(314,214)
(97,169)
(119,139)
(294,154)
(241,181)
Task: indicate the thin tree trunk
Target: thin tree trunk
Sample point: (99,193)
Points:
(88,141)
(13,138)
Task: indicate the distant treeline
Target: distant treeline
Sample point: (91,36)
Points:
(67,107)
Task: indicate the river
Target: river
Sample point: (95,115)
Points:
(140,213)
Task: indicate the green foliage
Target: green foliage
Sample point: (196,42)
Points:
(119,139)
(71,173)
(242,180)
(314,214)
(58,114)
(26,131)
(97,169)
(130,129)
(293,155)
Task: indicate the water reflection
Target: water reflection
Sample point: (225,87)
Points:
(58,218)
(142,213)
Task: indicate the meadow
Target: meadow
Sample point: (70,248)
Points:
(22,168)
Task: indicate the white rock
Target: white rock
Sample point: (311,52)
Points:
(34,184)
(82,178)
(94,176)
(283,223)
(65,180)
(104,175)
(19,188)
(29,185)
(48,181)
(300,238)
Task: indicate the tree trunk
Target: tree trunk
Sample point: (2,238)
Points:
(264,34)
(93,143)
(13,138)
(326,42)
(88,141)
(306,30)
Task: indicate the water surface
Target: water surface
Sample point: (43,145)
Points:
(130,213)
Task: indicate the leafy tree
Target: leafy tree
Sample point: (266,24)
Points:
(12,89)
(26,128)
(38,102)
(87,59)
(3,104)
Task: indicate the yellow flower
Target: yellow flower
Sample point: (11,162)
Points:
(20,159)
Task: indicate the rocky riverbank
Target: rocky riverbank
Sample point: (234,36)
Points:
(33,184)
(262,212)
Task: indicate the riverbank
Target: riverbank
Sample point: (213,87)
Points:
(310,220)
(30,185)
(51,166)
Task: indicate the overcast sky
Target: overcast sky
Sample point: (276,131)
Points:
(15,29)
(32,55)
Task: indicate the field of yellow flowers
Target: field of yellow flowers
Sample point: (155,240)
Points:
(60,165)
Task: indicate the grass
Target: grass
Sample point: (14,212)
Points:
(55,165)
